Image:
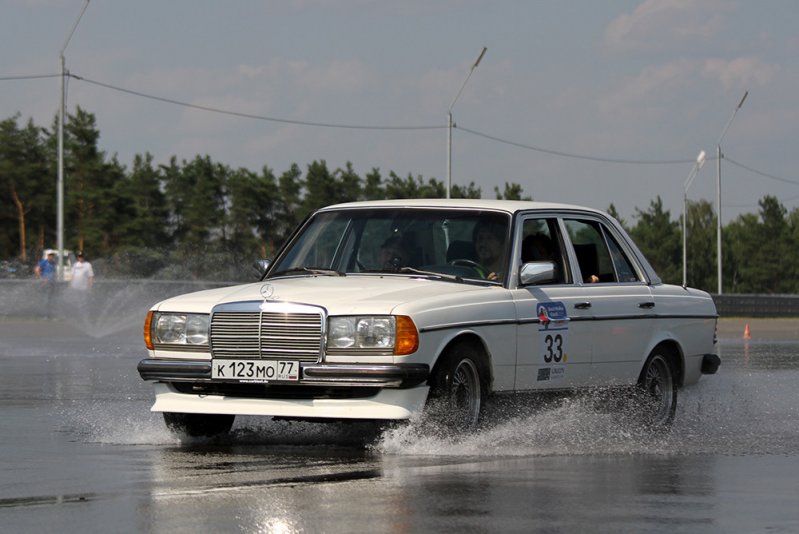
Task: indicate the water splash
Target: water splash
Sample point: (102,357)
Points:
(110,307)
(566,427)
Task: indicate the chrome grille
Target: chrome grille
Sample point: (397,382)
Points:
(270,334)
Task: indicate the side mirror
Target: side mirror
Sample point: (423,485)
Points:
(537,272)
(260,267)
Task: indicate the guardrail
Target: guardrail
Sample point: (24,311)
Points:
(736,305)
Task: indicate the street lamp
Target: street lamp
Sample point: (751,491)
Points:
(450,124)
(700,160)
(718,187)
(60,184)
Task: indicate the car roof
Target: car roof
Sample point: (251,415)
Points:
(509,206)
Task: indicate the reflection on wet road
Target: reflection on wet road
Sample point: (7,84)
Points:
(82,451)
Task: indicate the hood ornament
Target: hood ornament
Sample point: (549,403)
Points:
(267,291)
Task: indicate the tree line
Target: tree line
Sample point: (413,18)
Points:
(203,219)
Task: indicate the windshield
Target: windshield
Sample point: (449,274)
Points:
(469,244)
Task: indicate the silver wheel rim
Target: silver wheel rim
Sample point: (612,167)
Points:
(659,389)
(465,393)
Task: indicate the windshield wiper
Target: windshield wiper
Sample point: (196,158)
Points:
(311,270)
(433,274)
(448,277)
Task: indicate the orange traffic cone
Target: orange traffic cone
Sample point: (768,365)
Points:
(747,334)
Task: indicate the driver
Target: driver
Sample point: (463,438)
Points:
(488,240)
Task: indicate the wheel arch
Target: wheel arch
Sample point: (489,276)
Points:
(674,354)
(474,340)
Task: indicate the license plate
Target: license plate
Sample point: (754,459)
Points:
(255,370)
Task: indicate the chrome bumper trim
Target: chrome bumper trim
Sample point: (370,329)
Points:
(393,375)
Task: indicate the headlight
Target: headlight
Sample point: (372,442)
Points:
(180,328)
(395,334)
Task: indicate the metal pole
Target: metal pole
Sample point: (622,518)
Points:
(60,184)
(450,124)
(718,214)
(700,161)
(684,239)
(449,153)
(718,187)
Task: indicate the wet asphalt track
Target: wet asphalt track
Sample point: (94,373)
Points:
(81,452)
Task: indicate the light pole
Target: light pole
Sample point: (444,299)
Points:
(60,184)
(700,160)
(450,124)
(718,188)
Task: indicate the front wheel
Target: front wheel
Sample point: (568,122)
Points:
(459,389)
(197,425)
(657,392)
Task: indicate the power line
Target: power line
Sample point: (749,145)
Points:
(761,173)
(28,77)
(575,156)
(494,138)
(253,116)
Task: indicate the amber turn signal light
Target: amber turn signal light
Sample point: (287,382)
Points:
(407,340)
(148,338)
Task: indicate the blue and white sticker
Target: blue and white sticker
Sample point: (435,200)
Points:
(553,333)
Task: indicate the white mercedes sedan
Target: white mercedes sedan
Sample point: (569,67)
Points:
(381,310)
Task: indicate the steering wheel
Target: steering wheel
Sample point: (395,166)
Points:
(479,269)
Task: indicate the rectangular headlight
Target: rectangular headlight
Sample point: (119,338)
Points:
(180,328)
(372,332)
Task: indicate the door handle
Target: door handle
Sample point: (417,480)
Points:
(646,305)
(583,305)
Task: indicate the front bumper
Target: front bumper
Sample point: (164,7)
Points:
(384,404)
(399,375)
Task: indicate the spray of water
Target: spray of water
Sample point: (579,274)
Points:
(109,308)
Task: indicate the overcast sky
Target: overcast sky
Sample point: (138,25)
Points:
(565,84)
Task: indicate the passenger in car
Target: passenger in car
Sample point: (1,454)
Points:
(588,262)
(537,247)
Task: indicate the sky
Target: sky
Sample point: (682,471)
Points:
(584,102)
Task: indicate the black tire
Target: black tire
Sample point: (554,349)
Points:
(657,391)
(196,425)
(459,389)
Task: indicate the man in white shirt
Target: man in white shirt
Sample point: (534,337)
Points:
(82,274)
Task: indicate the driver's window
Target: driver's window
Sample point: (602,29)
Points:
(540,243)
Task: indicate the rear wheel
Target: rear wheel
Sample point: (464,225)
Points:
(197,425)
(459,389)
(657,391)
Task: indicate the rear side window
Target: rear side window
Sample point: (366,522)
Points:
(599,256)
(625,272)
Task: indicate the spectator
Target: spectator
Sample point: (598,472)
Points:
(82,274)
(46,272)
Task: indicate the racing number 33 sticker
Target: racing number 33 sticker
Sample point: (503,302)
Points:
(553,329)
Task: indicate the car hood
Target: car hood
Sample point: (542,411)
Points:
(338,295)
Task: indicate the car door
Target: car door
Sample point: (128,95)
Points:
(614,298)
(553,338)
